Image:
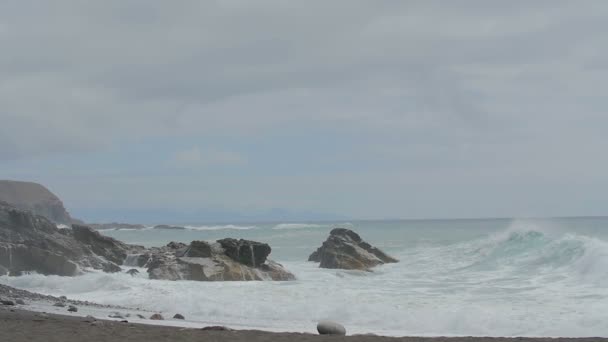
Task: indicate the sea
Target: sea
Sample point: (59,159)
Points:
(479,277)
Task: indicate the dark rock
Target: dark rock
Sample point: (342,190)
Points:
(124,321)
(157,317)
(132,272)
(7,302)
(250,253)
(111,268)
(63,297)
(178,316)
(345,249)
(216,328)
(60,304)
(105,246)
(330,328)
(198,249)
(140,316)
(20,302)
(72,308)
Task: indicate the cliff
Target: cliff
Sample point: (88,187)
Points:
(36,198)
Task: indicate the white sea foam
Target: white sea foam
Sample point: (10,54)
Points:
(220,227)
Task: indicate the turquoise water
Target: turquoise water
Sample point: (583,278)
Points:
(498,277)
(295,241)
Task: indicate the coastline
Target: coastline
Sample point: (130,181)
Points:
(30,323)
(19,325)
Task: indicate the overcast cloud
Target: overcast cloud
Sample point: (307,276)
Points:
(362,109)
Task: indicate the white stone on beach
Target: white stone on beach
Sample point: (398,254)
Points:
(330,328)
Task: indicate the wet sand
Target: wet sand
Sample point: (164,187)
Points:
(18,325)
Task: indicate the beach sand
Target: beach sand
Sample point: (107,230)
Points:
(18,325)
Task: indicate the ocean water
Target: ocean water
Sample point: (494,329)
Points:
(495,277)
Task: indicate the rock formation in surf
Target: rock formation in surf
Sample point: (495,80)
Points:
(345,249)
(36,198)
(31,242)
(224,260)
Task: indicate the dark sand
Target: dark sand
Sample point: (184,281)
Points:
(18,325)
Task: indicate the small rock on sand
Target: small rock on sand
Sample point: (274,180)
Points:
(72,308)
(215,328)
(330,328)
(157,317)
(59,304)
(178,316)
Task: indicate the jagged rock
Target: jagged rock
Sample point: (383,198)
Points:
(72,308)
(330,328)
(20,302)
(104,246)
(132,272)
(345,249)
(246,252)
(178,316)
(36,198)
(111,268)
(32,243)
(203,261)
(7,302)
(157,317)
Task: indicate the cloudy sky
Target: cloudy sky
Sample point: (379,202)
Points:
(346,109)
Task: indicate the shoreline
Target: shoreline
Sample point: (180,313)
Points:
(17,324)
(33,322)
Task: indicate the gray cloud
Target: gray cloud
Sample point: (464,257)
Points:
(515,89)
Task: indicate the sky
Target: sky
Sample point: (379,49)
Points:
(285,110)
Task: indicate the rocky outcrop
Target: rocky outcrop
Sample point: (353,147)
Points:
(31,242)
(224,260)
(345,249)
(36,198)
(168,227)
